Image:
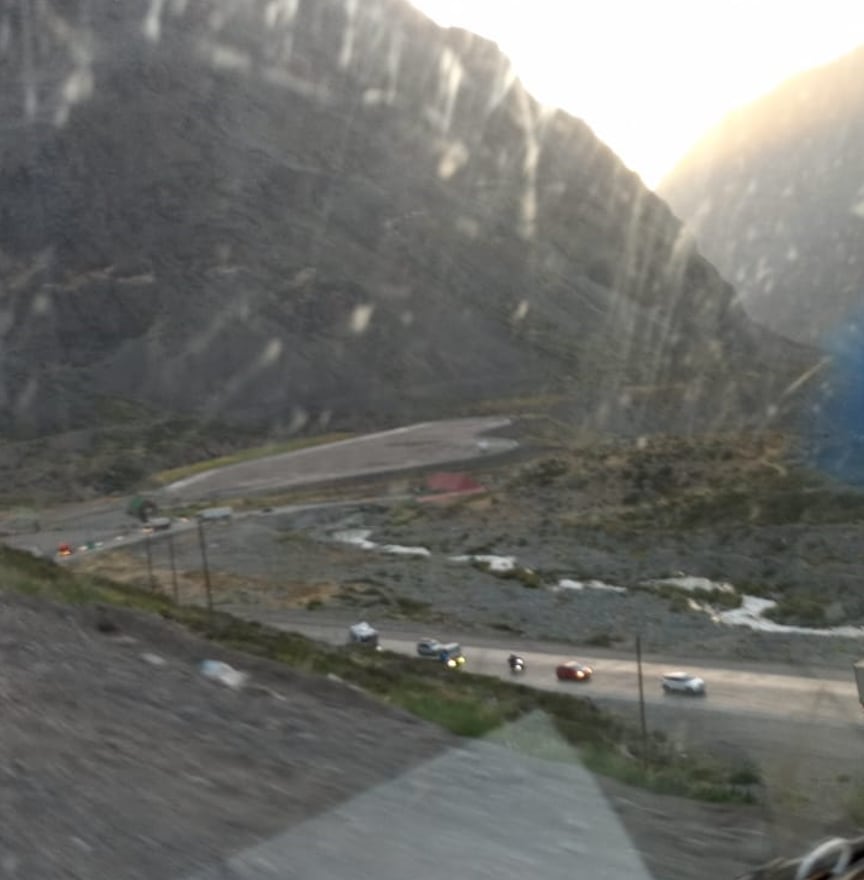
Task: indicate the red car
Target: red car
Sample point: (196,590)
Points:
(573,671)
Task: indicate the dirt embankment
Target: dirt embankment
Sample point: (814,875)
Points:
(119,759)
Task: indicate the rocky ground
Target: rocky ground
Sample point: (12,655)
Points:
(119,759)
(731,509)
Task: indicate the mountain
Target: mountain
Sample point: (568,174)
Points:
(272,214)
(775,197)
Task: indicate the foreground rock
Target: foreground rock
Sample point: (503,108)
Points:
(119,759)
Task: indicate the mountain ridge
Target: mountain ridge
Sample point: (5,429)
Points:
(276,214)
(775,197)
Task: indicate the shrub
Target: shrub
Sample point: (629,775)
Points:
(503,626)
(855,805)
(404,513)
(798,611)
(746,775)
(464,717)
(678,597)
(412,607)
(543,472)
(665,772)
(724,599)
(600,640)
(531,579)
(526,576)
(678,603)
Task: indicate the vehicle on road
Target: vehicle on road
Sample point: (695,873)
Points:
(432,647)
(683,683)
(65,550)
(215,514)
(363,633)
(142,508)
(516,664)
(448,653)
(573,670)
(452,661)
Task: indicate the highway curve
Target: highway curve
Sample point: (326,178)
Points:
(420,445)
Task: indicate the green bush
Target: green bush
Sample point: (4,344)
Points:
(798,611)
(756,588)
(528,578)
(541,473)
(855,805)
(678,597)
(746,775)
(667,773)
(678,603)
(122,473)
(404,513)
(503,626)
(411,607)
(464,717)
(723,598)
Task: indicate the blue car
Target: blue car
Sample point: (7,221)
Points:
(449,653)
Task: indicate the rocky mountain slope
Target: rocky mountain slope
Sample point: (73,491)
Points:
(264,213)
(775,196)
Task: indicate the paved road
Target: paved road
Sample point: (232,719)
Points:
(106,524)
(111,534)
(421,445)
(790,694)
(799,728)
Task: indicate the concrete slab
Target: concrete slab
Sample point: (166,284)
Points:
(485,810)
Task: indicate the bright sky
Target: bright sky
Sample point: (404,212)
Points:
(652,76)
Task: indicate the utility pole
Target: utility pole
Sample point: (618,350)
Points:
(207,587)
(149,550)
(173,569)
(641,699)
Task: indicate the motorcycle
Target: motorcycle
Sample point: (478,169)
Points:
(517,664)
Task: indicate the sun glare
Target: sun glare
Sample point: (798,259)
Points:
(652,77)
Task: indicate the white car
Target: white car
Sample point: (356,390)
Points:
(363,634)
(683,683)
